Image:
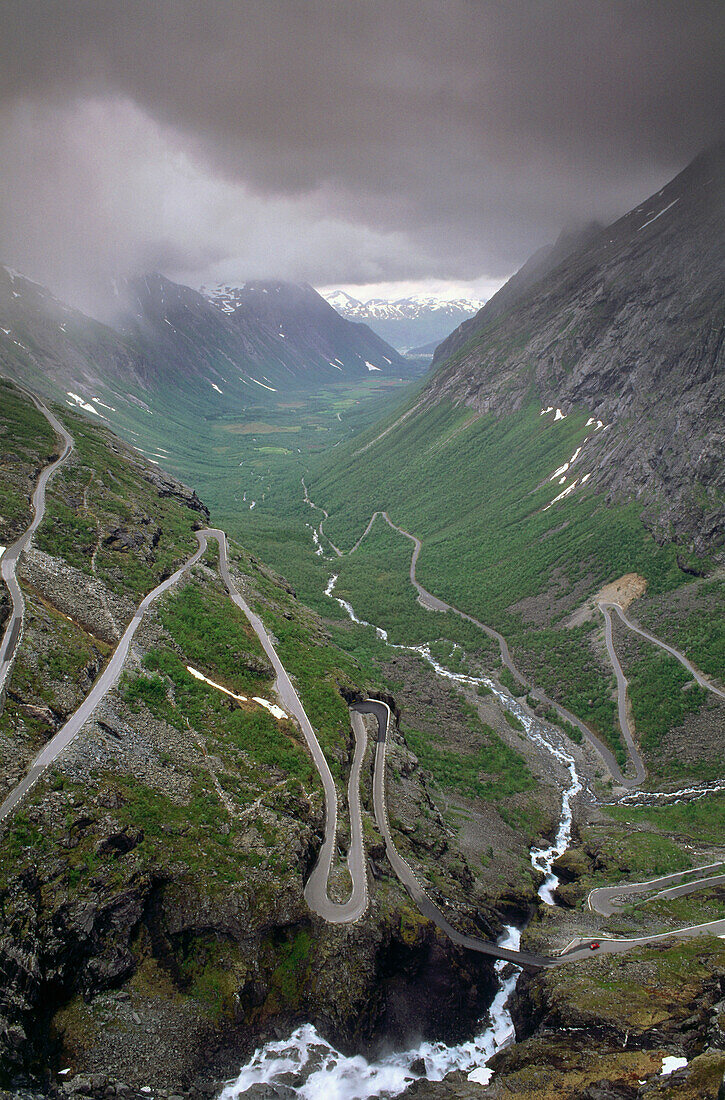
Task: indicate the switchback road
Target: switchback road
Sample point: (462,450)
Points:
(702,680)
(433,603)
(316,888)
(108,677)
(622,709)
(580,949)
(9,560)
(607,900)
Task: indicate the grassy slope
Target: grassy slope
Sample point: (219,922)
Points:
(27,442)
(474,489)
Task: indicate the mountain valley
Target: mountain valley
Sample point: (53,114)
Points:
(454,546)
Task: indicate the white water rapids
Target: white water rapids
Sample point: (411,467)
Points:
(308,1067)
(542,859)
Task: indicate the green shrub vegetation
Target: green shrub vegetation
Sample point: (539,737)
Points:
(213,633)
(492,771)
(702,819)
(449,477)
(660,702)
(28,443)
(508,680)
(104,489)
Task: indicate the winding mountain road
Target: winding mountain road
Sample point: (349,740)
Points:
(9,560)
(316,889)
(702,680)
(433,603)
(105,681)
(622,708)
(316,894)
(607,900)
(579,949)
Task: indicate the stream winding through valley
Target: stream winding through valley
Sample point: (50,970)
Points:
(322,1073)
(306,1065)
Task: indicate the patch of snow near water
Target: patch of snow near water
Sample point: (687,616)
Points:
(330,1075)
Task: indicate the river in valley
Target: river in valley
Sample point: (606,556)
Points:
(305,1065)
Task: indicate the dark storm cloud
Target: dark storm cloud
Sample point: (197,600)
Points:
(400,138)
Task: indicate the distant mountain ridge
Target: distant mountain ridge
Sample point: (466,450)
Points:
(406,323)
(171,347)
(278,334)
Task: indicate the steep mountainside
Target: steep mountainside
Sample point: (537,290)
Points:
(406,323)
(152,918)
(281,334)
(175,356)
(576,438)
(539,265)
(630,328)
(56,349)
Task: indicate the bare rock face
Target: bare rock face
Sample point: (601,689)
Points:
(85,599)
(630,328)
(601,1031)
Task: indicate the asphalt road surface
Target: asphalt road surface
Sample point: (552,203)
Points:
(621,694)
(607,900)
(580,949)
(701,679)
(9,560)
(316,888)
(433,603)
(105,681)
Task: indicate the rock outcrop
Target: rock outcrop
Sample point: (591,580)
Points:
(629,327)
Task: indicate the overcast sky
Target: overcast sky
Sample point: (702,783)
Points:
(341,142)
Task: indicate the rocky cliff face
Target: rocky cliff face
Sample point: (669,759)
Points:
(629,327)
(602,1031)
(152,919)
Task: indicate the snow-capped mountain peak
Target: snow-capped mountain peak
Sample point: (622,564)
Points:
(409,308)
(406,322)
